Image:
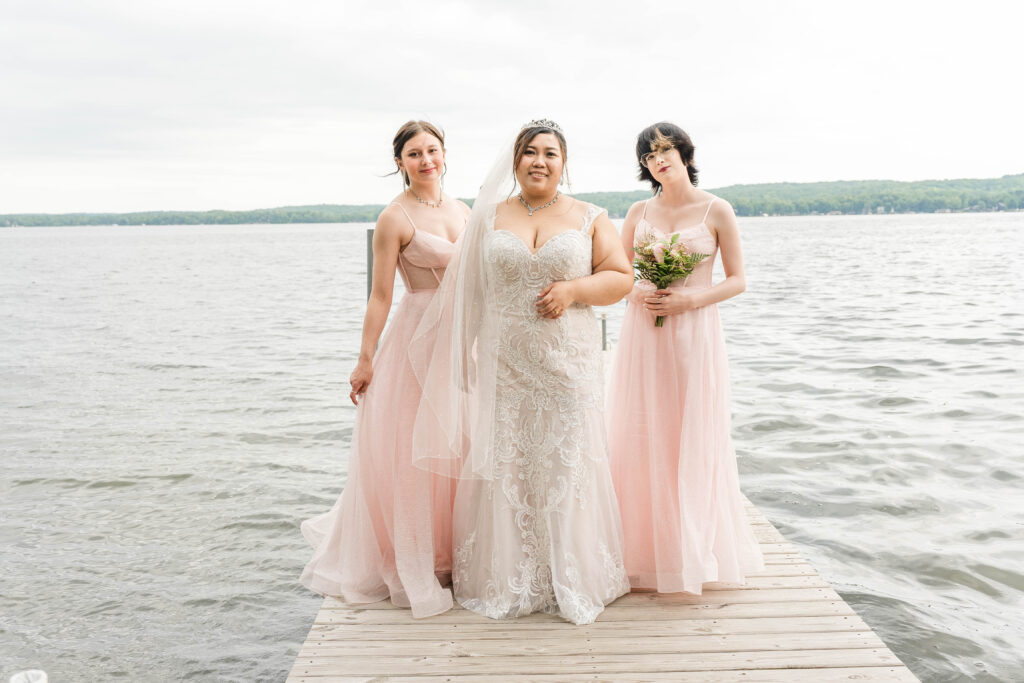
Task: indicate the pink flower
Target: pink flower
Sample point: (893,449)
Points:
(659,252)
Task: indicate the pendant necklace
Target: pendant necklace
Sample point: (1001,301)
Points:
(532,209)
(421,200)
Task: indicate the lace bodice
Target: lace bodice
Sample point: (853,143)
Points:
(518,275)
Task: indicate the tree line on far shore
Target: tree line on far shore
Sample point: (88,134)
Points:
(771,199)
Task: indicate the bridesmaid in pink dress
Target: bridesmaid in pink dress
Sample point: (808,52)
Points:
(668,408)
(390,533)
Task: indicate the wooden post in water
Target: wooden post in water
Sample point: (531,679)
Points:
(369,262)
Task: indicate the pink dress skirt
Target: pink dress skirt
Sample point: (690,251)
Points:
(390,532)
(673,462)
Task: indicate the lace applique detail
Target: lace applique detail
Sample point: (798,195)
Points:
(576,606)
(461,558)
(614,566)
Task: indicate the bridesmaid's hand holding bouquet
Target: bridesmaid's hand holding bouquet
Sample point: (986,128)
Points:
(663,260)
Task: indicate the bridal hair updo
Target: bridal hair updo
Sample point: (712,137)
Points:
(408,131)
(532,130)
(662,136)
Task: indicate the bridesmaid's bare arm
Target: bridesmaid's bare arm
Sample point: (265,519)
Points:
(723,222)
(390,233)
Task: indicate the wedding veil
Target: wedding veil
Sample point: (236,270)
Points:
(454,349)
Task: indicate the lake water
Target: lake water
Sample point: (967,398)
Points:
(173,403)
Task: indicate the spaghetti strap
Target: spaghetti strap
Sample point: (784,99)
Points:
(705,219)
(401,250)
(408,217)
(644,216)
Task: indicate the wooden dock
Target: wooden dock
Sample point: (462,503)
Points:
(785,624)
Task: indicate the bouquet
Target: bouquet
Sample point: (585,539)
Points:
(663,260)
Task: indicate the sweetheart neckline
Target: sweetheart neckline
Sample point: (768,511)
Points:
(541,247)
(417,231)
(702,224)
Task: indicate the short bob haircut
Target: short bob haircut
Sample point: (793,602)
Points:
(662,136)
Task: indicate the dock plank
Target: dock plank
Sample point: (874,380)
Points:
(502,631)
(654,612)
(597,663)
(623,643)
(875,674)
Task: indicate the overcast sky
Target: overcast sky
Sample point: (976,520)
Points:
(120,105)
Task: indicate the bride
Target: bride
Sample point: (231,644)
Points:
(516,402)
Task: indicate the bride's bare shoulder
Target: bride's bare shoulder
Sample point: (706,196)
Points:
(503,206)
(580,208)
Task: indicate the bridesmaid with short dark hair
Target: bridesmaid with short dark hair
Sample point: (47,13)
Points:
(668,409)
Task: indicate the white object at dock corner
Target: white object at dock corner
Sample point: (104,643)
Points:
(30,676)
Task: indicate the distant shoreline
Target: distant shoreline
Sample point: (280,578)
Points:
(838,198)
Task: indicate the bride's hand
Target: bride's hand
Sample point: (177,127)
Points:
(556,297)
(360,380)
(669,302)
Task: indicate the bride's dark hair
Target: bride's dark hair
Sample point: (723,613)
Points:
(526,136)
(408,131)
(662,136)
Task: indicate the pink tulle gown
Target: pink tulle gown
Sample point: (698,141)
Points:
(672,457)
(390,533)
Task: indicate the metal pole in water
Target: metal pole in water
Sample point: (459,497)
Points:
(369,262)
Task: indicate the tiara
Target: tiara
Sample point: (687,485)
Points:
(542,123)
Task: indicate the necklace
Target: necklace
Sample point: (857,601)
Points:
(534,209)
(421,200)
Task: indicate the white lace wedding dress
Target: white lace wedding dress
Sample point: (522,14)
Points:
(543,533)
